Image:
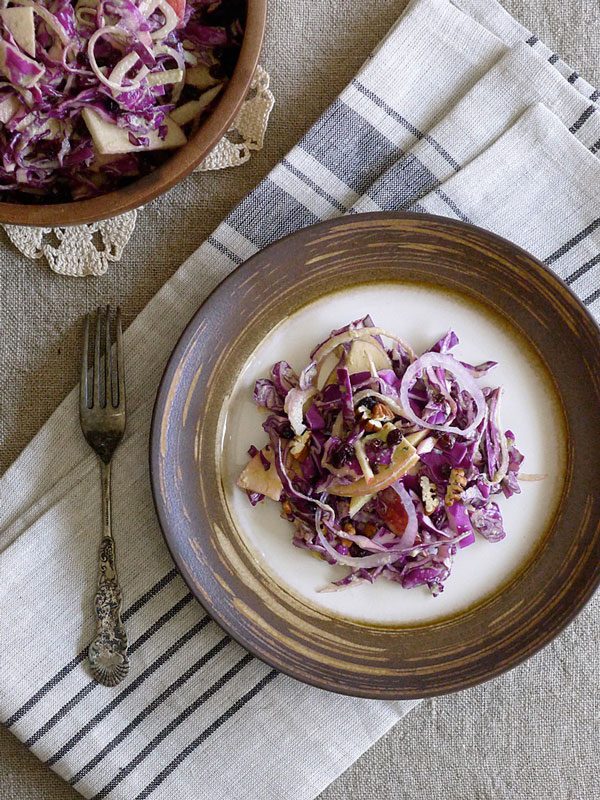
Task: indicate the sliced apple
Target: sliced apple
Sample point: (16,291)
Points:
(8,108)
(20,22)
(109,139)
(200,77)
(327,370)
(186,113)
(405,456)
(367,356)
(337,429)
(361,452)
(178,7)
(417,438)
(255,478)
(357,503)
(364,355)
(164,77)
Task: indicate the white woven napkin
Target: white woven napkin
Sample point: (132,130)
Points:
(197,717)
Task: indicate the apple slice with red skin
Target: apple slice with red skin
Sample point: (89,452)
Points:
(178,7)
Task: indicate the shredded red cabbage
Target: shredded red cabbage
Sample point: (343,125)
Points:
(151,69)
(388,462)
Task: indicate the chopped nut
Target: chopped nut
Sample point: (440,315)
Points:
(347,543)
(287,507)
(372,425)
(370,530)
(429,494)
(381,412)
(364,413)
(348,527)
(456,483)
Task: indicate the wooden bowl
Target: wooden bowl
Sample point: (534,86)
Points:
(179,166)
(239,584)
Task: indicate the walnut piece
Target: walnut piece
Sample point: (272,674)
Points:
(429,494)
(456,484)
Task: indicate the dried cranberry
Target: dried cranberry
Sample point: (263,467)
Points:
(376,444)
(343,455)
(369,402)
(394,437)
(287,432)
(445,441)
(336,460)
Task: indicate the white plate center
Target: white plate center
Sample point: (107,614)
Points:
(420,315)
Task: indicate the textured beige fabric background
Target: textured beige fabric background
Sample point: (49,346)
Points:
(532,734)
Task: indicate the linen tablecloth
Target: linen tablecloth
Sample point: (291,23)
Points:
(376,127)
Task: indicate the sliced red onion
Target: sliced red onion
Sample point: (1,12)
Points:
(405,544)
(409,535)
(500,473)
(367,544)
(376,560)
(118,33)
(461,376)
(179,59)
(122,67)
(294,407)
(171,18)
(308,376)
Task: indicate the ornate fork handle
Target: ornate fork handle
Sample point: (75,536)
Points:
(108,651)
(102,413)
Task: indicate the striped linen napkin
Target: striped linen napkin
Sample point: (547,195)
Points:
(460,111)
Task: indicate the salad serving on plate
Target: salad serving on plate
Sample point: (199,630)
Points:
(93,91)
(385,462)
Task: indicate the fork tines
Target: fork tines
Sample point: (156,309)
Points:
(106,372)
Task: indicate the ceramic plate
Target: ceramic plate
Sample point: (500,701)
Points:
(418,276)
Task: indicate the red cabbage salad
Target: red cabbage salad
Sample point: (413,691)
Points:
(385,462)
(94,92)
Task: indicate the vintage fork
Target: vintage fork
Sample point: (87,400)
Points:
(102,416)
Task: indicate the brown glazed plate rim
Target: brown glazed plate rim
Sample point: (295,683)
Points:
(380,662)
(177,167)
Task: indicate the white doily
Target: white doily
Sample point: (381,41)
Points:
(88,249)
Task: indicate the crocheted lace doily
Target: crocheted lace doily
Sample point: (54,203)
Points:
(88,249)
